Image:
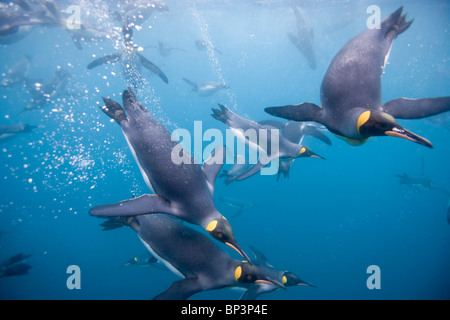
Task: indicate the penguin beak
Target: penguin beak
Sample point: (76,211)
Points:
(317,156)
(408,135)
(239,250)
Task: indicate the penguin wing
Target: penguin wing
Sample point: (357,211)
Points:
(260,258)
(404,108)
(105,59)
(153,68)
(316,133)
(181,290)
(211,167)
(192,84)
(252,293)
(255,168)
(301,112)
(147,203)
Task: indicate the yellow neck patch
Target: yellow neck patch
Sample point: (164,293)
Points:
(362,119)
(284,279)
(211,226)
(237,273)
(302,150)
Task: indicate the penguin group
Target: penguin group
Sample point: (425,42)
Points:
(182,199)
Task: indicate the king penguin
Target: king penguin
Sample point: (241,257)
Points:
(131,59)
(286,278)
(241,126)
(184,190)
(192,256)
(350,95)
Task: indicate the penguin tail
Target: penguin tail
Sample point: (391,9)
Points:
(114,110)
(395,24)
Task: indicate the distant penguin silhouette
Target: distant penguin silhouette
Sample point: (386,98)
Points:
(131,59)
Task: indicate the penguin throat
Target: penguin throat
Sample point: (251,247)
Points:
(353,142)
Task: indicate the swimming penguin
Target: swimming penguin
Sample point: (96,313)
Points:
(164,49)
(131,60)
(205,45)
(206,88)
(184,190)
(18,269)
(20,257)
(193,256)
(44,93)
(239,125)
(351,91)
(294,131)
(16,75)
(9,131)
(304,39)
(287,278)
(19,18)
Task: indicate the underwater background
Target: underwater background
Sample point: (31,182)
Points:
(327,223)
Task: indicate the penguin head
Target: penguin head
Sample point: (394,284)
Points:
(291,279)
(221,230)
(377,123)
(306,152)
(248,273)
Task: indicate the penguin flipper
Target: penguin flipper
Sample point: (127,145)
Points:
(211,167)
(153,68)
(316,133)
(404,108)
(147,203)
(105,59)
(260,258)
(180,290)
(301,112)
(255,168)
(192,84)
(251,294)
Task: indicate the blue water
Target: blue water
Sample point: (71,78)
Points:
(327,223)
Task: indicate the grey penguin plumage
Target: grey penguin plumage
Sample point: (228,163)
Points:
(131,60)
(351,91)
(294,131)
(239,126)
(184,190)
(193,256)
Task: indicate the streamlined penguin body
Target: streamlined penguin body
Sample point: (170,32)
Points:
(351,91)
(131,60)
(244,128)
(184,190)
(192,256)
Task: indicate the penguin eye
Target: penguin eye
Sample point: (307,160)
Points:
(219,235)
